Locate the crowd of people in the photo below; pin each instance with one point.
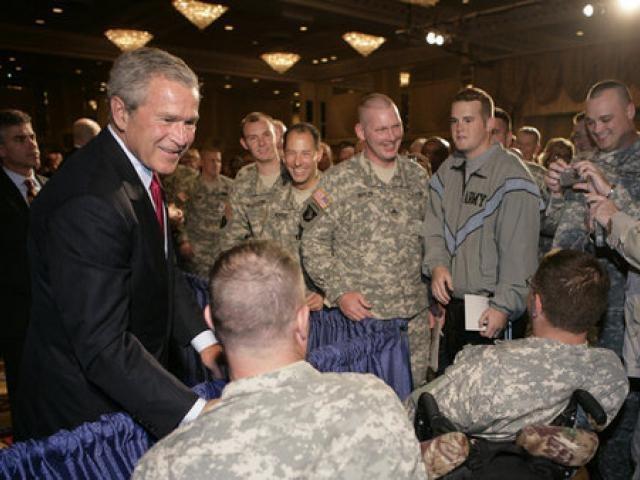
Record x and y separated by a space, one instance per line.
379 231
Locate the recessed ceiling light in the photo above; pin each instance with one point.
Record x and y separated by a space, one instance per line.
315 61
18 69
333 57
40 21
255 42
56 10
227 86
255 80
324 59
228 28
78 71
588 10
12 59
579 33
296 94
297 104
303 28
276 92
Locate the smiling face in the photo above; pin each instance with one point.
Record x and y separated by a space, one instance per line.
609 120
301 159
470 131
18 149
260 139
381 131
163 126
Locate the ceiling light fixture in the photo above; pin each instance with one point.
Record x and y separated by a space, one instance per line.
588 10
40 21
421 3
435 38
127 40
363 43
579 33
228 28
56 10
201 14
303 28
628 5
280 61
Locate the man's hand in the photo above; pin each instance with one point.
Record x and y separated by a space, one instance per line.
552 177
601 209
354 306
441 284
436 315
176 216
210 357
596 180
186 250
315 301
209 405
493 322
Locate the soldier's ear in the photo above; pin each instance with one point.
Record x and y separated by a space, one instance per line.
301 330
243 143
360 131
631 111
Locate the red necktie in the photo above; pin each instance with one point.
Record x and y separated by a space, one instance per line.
156 195
31 190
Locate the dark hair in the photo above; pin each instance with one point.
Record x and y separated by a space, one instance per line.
475 94
578 117
304 127
504 116
254 117
12 118
573 289
439 155
603 85
528 129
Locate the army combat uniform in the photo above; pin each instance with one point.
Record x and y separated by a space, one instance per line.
622 168
482 224
205 213
250 200
363 235
178 184
293 423
494 390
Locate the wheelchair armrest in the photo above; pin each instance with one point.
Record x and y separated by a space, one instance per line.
591 406
429 422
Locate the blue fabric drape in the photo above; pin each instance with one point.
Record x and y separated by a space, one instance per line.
379 347
106 449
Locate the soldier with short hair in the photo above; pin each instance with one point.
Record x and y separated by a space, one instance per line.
362 238
205 214
494 391
279 417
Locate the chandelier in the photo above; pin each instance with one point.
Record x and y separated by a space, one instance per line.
201 14
280 61
363 43
127 40
422 3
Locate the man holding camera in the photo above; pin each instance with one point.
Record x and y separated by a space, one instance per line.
609 120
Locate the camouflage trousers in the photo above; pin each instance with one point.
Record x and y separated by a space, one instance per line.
422 348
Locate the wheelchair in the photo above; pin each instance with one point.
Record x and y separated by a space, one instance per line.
493 460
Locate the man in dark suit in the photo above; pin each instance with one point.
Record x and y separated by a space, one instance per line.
19 156
106 297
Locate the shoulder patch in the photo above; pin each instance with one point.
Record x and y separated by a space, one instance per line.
310 213
321 198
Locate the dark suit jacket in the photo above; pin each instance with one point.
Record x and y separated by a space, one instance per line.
14 280
106 302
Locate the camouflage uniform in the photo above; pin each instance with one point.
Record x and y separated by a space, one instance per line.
494 391
293 423
364 235
622 168
547 229
250 207
178 184
204 215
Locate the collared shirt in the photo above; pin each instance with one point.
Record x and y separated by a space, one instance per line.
204 339
18 180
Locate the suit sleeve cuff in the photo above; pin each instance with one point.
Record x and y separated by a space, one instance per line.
193 413
203 340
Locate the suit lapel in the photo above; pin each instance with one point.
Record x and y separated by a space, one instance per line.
140 201
12 194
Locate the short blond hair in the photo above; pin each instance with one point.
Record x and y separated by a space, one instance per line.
256 289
